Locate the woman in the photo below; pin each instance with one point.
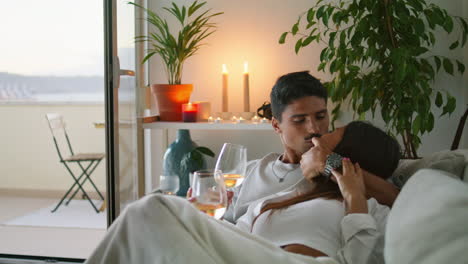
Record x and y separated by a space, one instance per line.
291 220
165 229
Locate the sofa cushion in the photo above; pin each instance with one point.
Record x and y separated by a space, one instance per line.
428 221
451 161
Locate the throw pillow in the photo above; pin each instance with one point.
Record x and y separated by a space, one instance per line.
450 161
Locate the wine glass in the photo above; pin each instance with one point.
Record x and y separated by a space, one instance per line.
168 184
232 163
209 193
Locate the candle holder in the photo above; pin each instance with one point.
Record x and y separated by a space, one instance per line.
255 119
204 110
225 115
240 120
218 120
189 112
234 119
247 115
264 121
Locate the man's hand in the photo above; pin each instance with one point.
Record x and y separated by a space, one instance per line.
314 160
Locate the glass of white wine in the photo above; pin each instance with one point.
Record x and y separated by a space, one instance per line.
168 184
209 192
232 163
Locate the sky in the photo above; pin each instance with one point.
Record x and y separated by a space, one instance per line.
57 37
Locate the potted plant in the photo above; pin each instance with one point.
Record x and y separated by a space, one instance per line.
379 55
174 50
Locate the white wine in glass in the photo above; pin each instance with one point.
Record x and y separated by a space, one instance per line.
232 162
209 193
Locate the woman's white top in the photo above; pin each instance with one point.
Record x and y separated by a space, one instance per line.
322 225
314 223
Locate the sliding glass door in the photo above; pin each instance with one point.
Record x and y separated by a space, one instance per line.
124 159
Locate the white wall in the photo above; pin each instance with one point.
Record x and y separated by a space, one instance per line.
28 159
249 31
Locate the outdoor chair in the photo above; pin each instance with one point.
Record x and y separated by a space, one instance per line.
87 162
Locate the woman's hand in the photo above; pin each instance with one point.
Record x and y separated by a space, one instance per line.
352 187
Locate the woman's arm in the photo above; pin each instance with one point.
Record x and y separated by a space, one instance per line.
383 191
358 228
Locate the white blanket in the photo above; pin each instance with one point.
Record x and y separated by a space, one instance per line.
163 229
429 221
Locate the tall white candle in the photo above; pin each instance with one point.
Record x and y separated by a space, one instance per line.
224 102
245 84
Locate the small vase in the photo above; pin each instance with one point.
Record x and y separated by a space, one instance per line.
173 157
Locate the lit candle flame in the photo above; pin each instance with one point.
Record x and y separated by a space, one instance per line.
225 71
246 67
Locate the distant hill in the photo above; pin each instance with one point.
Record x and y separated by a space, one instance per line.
52 84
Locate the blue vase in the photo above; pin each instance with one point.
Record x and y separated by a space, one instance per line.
173 157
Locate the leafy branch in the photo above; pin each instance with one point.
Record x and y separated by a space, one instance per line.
379 56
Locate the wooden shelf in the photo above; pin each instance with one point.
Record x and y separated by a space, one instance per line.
208 126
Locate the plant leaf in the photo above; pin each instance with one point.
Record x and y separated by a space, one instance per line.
448 66
430 123
449 106
465 30
298 45
295 28
206 151
454 45
308 40
438 62
282 39
461 67
320 12
310 15
438 100
448 25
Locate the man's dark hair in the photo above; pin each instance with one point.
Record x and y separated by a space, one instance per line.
293 86
374 150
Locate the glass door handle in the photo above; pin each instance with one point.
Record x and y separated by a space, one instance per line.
126 72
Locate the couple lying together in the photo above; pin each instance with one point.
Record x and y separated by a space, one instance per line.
324 200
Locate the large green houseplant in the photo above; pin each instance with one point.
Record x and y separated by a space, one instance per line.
379 55
194 26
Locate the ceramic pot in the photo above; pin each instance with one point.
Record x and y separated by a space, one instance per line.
170 98
173 156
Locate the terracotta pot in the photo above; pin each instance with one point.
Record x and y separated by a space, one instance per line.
170 98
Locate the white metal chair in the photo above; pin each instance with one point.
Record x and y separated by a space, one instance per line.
87 162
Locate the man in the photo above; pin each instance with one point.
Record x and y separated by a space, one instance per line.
300 117
167 229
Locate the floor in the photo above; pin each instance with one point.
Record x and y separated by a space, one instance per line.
42 241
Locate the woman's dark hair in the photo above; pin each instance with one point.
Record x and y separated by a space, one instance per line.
293 86
374 150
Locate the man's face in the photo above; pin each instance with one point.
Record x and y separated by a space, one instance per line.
301 120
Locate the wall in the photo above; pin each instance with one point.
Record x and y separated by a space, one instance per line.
28 157
249 31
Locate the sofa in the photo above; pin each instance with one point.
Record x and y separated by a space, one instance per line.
429 220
